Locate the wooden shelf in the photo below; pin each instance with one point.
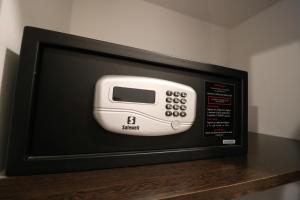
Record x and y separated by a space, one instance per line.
271 161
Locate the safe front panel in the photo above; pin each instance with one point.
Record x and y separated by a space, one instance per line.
54 128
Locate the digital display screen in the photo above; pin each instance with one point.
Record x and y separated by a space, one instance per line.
133 95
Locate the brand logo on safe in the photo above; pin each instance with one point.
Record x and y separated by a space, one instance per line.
131 120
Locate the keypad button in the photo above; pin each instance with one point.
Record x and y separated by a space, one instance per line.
168 106
175 113
183 94
183 107
168 113
169 99
176 107
182 114
176 94
169 93
176 100
183 101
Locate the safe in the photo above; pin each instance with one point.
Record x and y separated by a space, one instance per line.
83 104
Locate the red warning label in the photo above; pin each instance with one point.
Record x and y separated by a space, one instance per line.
219 109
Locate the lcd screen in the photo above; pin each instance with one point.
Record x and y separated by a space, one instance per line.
133 95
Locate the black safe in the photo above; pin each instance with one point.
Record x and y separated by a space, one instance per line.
53 128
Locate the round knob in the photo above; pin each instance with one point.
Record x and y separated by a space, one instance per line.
175 124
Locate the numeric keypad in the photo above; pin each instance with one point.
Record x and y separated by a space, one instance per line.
176 101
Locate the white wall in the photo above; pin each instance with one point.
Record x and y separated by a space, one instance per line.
268 45
14 15
141 24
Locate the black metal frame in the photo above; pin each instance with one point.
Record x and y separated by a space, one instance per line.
19 162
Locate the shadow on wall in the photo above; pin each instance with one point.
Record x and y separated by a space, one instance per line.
297 135
11 64
253 118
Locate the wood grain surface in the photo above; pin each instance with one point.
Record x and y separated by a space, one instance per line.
271 161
